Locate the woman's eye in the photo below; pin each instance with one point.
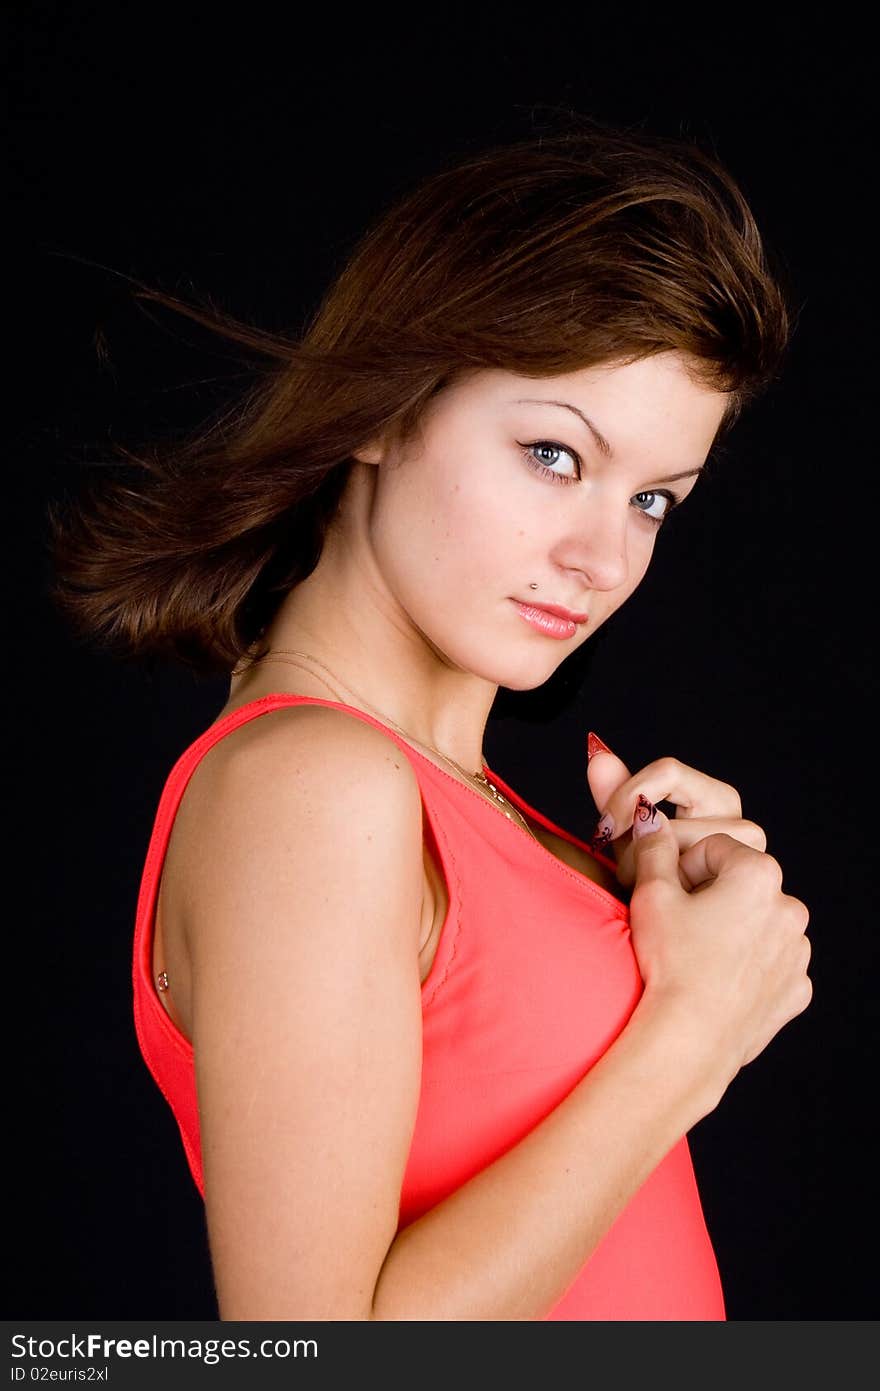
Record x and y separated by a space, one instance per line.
666 501
539 456
544 455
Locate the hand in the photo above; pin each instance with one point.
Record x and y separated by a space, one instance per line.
704 806
728 959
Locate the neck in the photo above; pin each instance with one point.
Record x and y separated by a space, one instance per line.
366 647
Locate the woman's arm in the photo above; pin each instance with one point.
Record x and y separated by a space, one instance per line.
509 1242
303 907
303 914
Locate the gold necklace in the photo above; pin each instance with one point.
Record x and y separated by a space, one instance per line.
512 813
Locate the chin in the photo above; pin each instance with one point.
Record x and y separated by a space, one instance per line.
526 676
523 671
523 683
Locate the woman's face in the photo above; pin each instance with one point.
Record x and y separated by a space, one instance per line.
505 489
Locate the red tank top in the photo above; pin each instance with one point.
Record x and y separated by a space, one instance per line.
533 979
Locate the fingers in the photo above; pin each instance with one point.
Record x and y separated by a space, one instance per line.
718 853
694 794
606 773
654 849
687 833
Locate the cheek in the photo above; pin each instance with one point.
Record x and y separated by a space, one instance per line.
443 523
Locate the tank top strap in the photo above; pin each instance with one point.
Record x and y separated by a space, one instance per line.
281 699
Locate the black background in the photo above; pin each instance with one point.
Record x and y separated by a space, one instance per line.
244 162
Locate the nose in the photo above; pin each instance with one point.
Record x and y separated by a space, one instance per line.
596 544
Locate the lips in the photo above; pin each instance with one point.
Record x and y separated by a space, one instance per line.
557 610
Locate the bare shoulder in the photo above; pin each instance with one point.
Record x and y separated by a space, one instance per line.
305 789
285 752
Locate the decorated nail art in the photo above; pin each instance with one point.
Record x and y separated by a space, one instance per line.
595 745
646 817
603 833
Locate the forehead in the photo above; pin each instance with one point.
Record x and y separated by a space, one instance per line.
629 403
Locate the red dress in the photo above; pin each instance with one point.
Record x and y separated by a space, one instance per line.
533 979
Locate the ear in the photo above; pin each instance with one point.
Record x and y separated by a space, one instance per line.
369 454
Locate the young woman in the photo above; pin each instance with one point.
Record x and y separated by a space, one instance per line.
432 1056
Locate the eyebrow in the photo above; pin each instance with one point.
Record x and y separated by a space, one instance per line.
601 441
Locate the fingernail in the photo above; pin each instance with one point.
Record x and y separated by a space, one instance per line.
603 833
646 818
595 745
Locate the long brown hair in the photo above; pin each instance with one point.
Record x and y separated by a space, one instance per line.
541 257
